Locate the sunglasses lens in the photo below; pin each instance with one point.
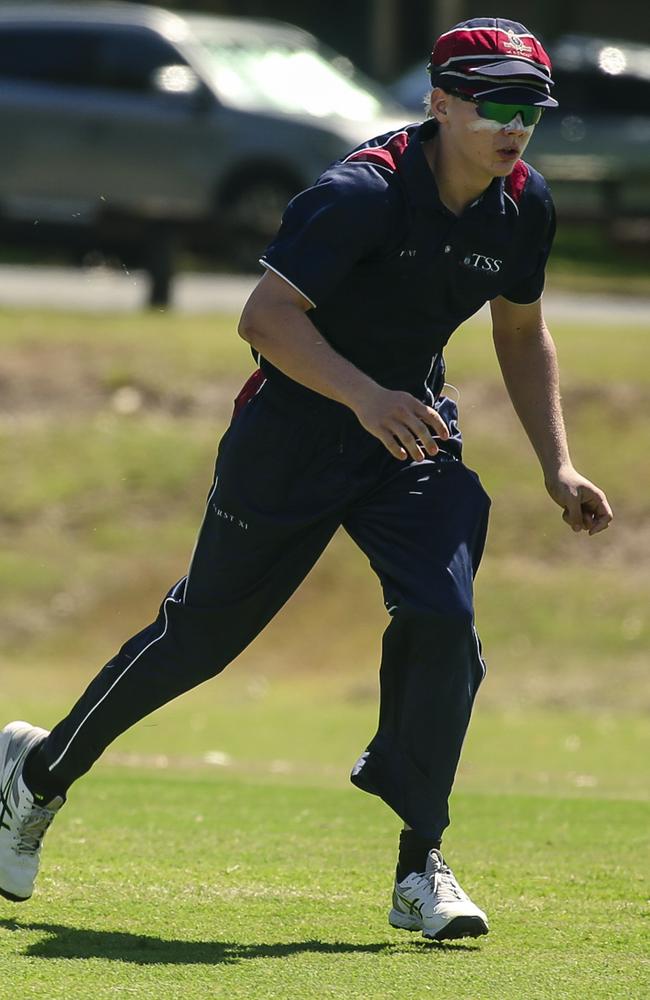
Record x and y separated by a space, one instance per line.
504 113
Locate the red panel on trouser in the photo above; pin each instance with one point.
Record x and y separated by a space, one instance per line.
248 390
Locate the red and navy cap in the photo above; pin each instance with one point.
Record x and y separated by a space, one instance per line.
493 59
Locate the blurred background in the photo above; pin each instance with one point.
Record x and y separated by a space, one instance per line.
142 138
147 158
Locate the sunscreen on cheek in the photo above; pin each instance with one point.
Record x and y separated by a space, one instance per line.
484 125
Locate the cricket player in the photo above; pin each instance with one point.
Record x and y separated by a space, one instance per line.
346 423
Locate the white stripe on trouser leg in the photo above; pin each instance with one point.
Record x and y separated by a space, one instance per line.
478 650
117 680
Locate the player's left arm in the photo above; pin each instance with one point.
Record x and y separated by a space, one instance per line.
528 362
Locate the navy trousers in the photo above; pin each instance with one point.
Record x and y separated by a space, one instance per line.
292 468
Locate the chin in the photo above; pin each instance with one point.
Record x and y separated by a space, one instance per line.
503 169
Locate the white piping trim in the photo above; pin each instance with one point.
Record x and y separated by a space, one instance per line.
375 166
116 681
486 27
540 78
448 385
506 195
269 267
501 82
492 57
478 650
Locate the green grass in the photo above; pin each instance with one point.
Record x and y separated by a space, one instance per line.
218 850
115 497
243 715
589 258
208 885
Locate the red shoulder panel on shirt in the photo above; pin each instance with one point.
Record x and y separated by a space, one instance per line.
516 181
383 156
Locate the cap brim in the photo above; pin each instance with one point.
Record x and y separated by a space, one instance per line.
510 67
515 95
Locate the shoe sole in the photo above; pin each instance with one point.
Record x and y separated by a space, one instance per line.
460 927
13 899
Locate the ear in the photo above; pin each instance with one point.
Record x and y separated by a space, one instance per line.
439 105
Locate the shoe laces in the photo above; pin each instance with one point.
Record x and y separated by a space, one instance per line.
444 885
33 828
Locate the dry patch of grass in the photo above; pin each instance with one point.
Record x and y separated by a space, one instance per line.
108 427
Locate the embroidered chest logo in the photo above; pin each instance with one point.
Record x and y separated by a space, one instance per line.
479 262
407 253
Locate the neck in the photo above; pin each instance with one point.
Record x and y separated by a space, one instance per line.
459 184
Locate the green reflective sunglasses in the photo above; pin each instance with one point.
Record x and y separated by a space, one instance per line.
504 113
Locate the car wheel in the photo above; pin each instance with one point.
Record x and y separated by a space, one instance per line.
252 213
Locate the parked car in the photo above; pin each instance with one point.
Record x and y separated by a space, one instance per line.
595 149
134 130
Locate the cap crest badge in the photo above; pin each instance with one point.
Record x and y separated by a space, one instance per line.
516 44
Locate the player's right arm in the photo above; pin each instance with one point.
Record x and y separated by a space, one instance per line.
326 230
275 323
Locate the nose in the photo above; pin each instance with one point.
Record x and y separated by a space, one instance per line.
516 125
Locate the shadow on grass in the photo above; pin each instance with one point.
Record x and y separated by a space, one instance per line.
140 949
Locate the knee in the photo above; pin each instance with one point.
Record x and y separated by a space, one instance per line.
452 601
445 592
429 653
433 623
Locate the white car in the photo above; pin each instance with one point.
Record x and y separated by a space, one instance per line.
135 130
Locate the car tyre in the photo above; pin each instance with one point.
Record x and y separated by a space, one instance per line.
252 211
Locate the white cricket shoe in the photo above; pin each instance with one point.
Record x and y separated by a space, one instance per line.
434 903
23 822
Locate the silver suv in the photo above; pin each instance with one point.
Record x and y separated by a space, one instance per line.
135 130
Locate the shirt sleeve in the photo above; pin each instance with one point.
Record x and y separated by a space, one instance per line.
530 287
327 229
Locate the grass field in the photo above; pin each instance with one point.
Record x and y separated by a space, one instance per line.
218 850
186 885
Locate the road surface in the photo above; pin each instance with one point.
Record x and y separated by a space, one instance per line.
105 290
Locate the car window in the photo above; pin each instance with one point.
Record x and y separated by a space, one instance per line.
58 55
114 58
295 79
128 59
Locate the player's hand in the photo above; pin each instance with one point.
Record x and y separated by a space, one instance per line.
406 426
585 507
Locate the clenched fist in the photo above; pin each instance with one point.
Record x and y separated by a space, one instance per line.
404 424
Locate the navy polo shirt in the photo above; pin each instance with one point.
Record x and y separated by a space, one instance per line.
390 271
